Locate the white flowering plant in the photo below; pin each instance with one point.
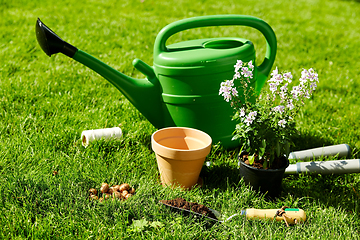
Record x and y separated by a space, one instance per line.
266 122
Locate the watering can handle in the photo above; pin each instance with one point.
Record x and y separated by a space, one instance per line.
222 20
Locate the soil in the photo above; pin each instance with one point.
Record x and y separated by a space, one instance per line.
191 206
278 162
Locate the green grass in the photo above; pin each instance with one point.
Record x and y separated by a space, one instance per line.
45 104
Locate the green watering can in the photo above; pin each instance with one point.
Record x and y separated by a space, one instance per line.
182 87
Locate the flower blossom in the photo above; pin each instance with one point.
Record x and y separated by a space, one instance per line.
282 123
307 94
310 75
275 81
238 65
249 119
284 88
313 86
276 77
251 66
313 75
290 105
275 72
242 112
283 93
279 109
273 87
296 92
288 77
234 92
227 91
252 115
246 72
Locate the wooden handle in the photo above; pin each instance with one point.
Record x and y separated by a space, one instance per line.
292 215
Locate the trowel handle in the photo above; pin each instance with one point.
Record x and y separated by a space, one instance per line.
291 214
223 20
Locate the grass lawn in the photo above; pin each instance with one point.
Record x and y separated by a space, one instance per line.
45 104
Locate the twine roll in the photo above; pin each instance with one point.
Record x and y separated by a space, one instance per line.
88 136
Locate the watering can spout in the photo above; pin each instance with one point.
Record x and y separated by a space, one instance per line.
51 43
144 94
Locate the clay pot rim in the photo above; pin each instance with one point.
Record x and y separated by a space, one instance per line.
162 150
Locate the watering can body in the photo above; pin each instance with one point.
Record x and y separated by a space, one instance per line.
182 87
190 73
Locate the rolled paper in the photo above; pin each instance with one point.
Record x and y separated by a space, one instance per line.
88 136
342 150
325 167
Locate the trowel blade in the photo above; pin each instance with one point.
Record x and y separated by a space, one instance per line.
216 213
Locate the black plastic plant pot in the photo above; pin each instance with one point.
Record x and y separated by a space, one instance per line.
267 181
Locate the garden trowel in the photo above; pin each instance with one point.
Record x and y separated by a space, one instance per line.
290 216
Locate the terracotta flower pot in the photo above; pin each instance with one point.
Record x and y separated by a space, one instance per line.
180 154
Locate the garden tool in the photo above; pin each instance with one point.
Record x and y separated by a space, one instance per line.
325 167
182 87
341 150
289 215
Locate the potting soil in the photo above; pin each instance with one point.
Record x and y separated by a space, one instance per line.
278 162
191 206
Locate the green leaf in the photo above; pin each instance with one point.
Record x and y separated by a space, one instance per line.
251 159
263 148
277 148
139 225
265 165
157 224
